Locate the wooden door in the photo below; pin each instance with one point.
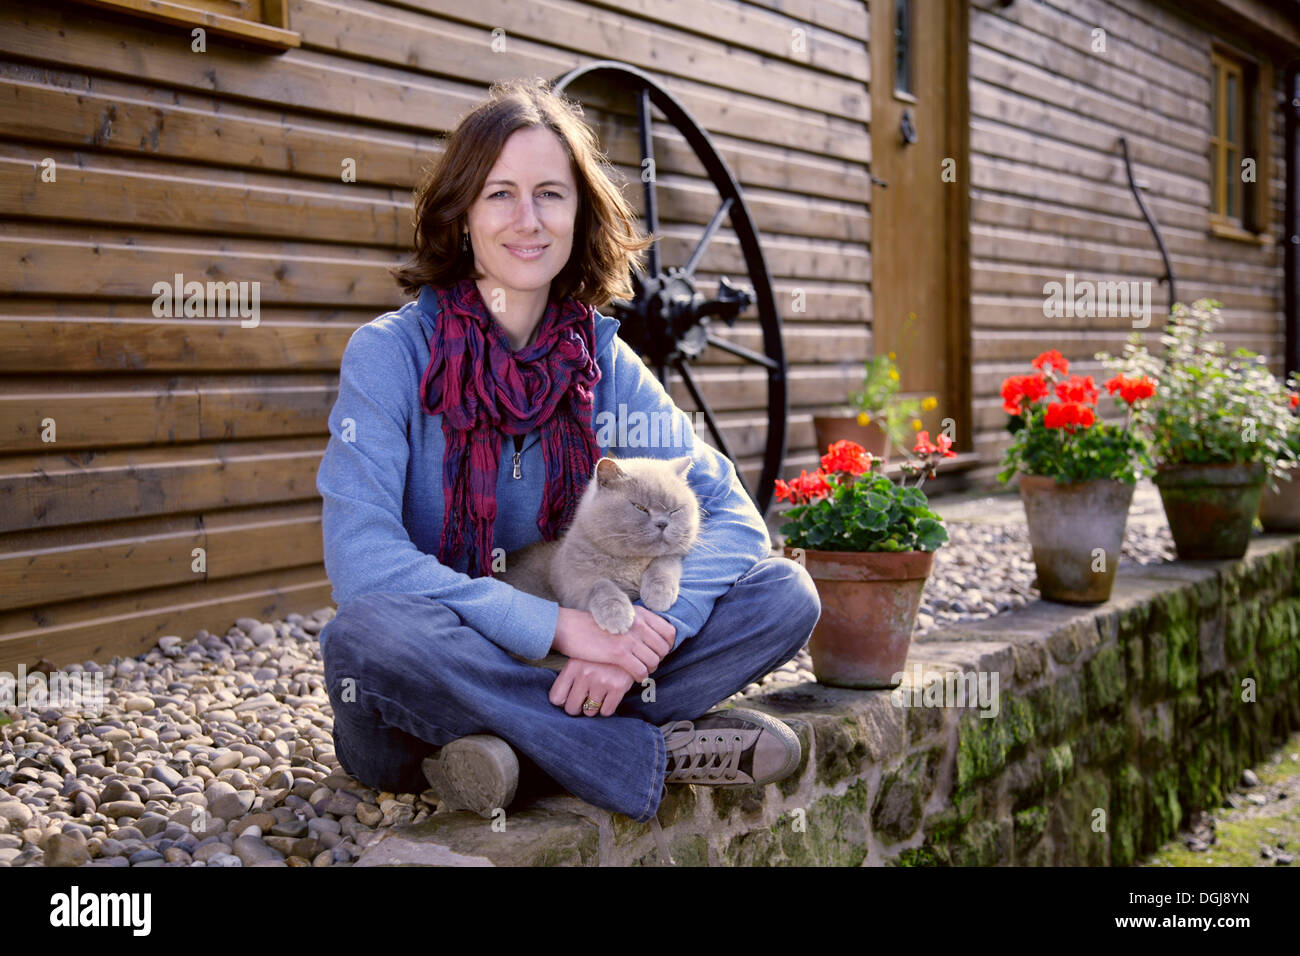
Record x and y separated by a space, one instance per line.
919 207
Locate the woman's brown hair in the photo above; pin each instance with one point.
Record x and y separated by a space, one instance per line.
606 241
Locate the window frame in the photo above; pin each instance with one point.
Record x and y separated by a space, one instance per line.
1252 141
271 31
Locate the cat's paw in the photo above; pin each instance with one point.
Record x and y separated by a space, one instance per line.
658 595
614 615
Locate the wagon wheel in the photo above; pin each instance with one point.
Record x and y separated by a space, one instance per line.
668 322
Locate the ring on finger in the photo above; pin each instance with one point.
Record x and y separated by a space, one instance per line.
590 704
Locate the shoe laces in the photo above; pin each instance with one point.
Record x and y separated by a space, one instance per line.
665 854
699 755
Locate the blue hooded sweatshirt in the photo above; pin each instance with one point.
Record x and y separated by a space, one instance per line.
381 484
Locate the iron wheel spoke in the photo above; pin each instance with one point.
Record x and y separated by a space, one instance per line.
698 252
684 371
741 351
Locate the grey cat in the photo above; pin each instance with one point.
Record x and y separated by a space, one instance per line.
635 521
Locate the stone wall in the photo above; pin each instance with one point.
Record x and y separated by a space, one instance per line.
1112 723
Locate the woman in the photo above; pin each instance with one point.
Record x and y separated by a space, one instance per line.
519 231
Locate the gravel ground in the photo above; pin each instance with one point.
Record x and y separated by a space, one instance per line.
217 751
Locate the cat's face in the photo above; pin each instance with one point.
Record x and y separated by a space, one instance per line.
642 507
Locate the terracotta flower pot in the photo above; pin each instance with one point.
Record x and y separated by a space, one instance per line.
869 604
1067 524
1211 507
1280 510
832 428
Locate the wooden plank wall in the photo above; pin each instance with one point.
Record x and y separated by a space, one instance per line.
1049 194
185 433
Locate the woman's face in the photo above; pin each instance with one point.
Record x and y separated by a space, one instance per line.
521 224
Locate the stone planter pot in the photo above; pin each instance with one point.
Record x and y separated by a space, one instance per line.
1211 507
1280 510
1067 523
832 428
869 604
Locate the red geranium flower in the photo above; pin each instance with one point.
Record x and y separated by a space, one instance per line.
1295 399
1131 389
848 456
1018 387
803 489
943 444
1077 389
1051 359
1069 415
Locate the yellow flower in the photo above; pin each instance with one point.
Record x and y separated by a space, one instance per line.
893 373
929 404
916 424
893 357
864 418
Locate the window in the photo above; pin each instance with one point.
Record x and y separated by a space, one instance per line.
1239 146
264 23
903 48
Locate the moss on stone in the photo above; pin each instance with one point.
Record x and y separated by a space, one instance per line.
836 834
1029 826
1182 643
841 749
1104 679
1165 811
1126 815
1239 637
1058 707
983 743
979 845
1057 765
898 807
748 801
923 856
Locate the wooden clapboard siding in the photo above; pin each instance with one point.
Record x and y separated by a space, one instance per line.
1049 193
178 433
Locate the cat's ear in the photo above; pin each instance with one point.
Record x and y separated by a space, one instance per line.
608 472
682 465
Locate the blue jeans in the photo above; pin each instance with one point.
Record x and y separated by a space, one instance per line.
420 678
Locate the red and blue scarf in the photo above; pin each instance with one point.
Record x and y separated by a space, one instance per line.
484 389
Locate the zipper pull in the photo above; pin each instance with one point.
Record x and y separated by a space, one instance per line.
518 473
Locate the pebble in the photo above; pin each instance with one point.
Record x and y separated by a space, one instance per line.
122 808
165 775
226 802
226 761
252 850
66 849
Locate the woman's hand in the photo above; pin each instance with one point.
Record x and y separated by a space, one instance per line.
580 679
637 652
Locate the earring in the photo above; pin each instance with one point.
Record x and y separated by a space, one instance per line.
464 242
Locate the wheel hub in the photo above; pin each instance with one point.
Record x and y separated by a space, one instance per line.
668 318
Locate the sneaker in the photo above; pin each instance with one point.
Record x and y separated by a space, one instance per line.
730 748
479 773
